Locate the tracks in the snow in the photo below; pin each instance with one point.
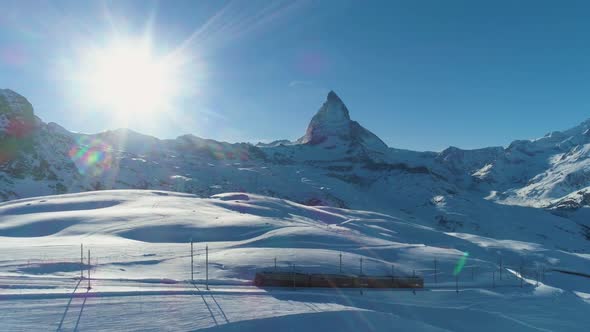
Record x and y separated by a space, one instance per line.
217 308
69 305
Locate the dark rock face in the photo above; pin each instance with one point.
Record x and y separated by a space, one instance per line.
17 124
572 202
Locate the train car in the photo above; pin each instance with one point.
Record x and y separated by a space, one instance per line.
334 281
294 279
392 282
281 279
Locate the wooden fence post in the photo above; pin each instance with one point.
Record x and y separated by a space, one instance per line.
81 261
207 267
89 269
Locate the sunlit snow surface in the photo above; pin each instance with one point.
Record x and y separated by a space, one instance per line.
140 259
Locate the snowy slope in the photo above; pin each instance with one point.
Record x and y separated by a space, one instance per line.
140 261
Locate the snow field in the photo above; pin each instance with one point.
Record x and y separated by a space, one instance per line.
140 268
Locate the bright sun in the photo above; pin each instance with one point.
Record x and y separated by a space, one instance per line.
129 79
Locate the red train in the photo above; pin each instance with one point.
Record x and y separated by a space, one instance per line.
296 279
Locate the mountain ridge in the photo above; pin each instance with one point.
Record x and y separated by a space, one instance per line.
337 162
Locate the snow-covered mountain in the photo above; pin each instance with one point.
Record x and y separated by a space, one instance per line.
508 226
337 162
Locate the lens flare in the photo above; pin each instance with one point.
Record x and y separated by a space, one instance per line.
13 55
460 264
91 156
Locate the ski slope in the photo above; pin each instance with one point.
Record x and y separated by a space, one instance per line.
139 242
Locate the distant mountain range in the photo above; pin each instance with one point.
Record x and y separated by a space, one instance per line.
336 162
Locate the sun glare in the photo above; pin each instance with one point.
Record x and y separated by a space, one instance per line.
129 79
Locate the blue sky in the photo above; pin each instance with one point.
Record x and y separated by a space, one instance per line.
422 75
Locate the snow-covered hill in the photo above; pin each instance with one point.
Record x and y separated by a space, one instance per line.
140 267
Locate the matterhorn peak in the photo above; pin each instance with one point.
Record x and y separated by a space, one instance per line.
332 125
330 120
333 109
333 98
